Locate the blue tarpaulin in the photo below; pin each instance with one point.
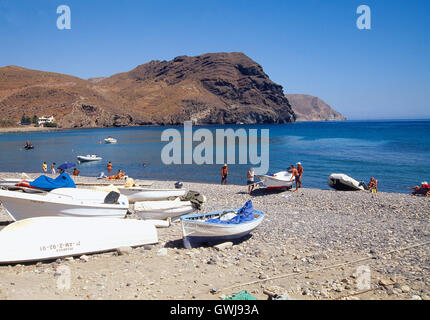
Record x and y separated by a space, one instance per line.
243 214
48 184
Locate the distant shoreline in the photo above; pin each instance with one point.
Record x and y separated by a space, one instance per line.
27 129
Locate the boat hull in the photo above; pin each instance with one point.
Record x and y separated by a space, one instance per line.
44 238
161 210
280 180
21 206
197 232
342 182
136 194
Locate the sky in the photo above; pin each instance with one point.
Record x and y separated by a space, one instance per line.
307 46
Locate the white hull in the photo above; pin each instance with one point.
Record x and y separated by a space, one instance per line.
340 181
161 210
44 238
135 194
278 181
110 140
63 202
201 231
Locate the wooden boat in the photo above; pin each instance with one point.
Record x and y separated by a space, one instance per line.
280 180
161 210
135 194
45 238
64 202
198 228
89 157
342 182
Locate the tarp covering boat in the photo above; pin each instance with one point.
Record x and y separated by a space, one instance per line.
243 214
48 184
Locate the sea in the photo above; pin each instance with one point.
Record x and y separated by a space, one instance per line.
396 152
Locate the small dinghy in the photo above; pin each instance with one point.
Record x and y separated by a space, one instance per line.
280 180
89 157
135 194
161 210
220 226
64 202
110 140
342 182
43 238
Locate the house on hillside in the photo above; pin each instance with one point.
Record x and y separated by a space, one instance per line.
43 120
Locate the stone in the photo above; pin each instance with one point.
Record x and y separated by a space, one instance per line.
84 258
162 252
405 288
385 282
223 246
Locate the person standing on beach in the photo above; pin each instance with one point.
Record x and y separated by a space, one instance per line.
300 171
251 180
45 167
295 174
224 173
53 168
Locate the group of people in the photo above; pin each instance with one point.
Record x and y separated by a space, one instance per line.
422 190
60 171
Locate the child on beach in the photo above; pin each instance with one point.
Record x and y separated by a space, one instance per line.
45 167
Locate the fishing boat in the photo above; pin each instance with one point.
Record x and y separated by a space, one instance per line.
161 210
45 238
89 157
110 140
64 202
219 226
279 180
135 194
342 182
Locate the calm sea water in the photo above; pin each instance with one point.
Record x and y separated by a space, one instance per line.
397 153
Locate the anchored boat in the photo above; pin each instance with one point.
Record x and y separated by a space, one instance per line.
89 157
110 140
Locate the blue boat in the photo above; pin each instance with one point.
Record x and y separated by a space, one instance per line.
219 226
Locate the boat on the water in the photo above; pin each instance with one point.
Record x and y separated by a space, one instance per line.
342 182
64 202
135 194
43 238
161 210
28 147
89 157
220 226
279 180
110 140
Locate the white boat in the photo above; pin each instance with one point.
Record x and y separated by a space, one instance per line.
89 157
161 210
280 180
45 238
135 194
342 182
64 202
197 229
110 140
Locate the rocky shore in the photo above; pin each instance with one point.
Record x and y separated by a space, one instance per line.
313 244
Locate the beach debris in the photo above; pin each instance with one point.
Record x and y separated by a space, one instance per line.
223 246
241 295
122 251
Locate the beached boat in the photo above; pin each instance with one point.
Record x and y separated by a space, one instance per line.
89 157
110 140
162 210
45 238
135 194
65 202
279 180
220 226
342 182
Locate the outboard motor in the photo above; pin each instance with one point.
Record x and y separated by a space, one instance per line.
178 185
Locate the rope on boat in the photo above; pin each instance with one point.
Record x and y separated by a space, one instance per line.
325 268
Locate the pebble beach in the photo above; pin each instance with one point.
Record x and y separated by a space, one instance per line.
312 244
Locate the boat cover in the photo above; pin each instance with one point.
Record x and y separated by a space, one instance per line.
48 184
244 214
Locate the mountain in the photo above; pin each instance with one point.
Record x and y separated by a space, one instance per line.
310 108
214 88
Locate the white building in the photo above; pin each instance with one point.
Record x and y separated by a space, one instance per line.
43 120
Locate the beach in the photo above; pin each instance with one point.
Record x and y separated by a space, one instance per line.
312 244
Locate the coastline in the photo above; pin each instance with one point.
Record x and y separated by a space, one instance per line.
303 236
27 129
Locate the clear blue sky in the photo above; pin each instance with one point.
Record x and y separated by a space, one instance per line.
307 46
